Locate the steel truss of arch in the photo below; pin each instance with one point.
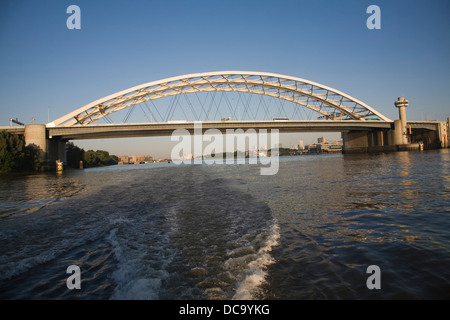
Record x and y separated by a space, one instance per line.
327 102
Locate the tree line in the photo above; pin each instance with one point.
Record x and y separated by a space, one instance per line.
90 158
16 156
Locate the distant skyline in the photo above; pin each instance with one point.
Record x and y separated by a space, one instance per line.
47 70
127 147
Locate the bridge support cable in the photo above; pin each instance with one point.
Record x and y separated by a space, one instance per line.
166 114
281 109
171 109
239 105
156 108
176 105
108 119
196 118
152 116
203 109
259 105
250 105
247 108
145 114
267 107
128 115
208 106
230 107
295 114
217 105
182 110
307 112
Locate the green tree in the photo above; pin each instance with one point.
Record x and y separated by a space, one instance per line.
99 158
33 159
14 155
90 158
114 159
102 156
74 155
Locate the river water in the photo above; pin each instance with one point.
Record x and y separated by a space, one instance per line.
167 231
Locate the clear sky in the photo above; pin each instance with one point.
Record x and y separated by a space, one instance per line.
47 70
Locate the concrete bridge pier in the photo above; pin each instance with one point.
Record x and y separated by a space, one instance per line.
400 137
381 140
355 142
51 150
397 133
368 141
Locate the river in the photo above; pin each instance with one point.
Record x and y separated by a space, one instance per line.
223 231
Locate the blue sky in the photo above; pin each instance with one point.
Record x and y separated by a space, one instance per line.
45 67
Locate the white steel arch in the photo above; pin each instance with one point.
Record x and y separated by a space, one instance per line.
328 102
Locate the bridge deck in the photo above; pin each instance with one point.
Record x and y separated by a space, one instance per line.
16 130
166 129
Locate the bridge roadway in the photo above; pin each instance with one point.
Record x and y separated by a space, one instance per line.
167 128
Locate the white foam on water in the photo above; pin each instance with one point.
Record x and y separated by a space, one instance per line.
256 271
139 274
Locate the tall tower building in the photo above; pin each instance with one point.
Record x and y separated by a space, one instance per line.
401 104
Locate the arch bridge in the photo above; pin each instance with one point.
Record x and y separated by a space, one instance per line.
363 127
328 103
